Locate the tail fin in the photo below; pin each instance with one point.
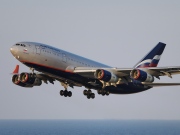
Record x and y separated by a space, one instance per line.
152 58
16 70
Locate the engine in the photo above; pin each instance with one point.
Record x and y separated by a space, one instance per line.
31 79
26 80
106 76
142 76
15 80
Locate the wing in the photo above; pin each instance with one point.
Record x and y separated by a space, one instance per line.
124 72
164 71
89 71
45 77
160 84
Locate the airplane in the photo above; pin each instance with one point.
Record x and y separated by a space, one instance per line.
53 64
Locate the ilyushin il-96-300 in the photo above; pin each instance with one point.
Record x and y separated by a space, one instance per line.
53 64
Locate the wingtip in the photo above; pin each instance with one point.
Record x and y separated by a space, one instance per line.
162 43
16 70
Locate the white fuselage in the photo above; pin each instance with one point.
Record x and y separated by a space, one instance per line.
48 56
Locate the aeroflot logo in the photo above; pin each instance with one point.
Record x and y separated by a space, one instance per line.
25 50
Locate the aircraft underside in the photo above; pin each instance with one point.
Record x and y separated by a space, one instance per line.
130 88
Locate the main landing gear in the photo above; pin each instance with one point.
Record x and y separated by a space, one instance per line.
89 94
65 92
103 92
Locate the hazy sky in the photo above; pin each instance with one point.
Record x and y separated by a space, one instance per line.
115 32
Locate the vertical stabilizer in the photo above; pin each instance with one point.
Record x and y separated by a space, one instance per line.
152 58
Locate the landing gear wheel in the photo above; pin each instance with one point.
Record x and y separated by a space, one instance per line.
99 91
92 95
89 92
65 93
107 93
103 93
88 96
61 92
69 93
85 92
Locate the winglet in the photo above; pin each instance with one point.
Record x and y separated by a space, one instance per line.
16 70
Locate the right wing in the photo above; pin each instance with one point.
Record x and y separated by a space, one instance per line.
49 78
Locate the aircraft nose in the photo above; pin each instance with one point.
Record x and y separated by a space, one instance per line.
14 50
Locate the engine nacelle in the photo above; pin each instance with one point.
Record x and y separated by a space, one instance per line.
142 76
29 78
16 80
106 76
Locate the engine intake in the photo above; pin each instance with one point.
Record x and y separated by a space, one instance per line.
27 78
141 75
31 79
16 80
105 76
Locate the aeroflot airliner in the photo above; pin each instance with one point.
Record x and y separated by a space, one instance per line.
72 70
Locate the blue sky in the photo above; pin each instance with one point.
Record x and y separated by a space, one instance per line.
114 32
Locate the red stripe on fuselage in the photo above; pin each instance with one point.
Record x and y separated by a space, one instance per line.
47 66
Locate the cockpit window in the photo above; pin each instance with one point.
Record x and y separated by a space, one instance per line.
21 45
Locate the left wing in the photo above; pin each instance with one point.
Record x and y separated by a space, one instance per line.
89 71
123 72
114 76
164 71
159 84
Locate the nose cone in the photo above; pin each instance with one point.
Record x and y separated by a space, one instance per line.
14 50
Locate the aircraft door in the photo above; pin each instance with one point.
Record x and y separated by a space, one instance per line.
37 49
64 58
